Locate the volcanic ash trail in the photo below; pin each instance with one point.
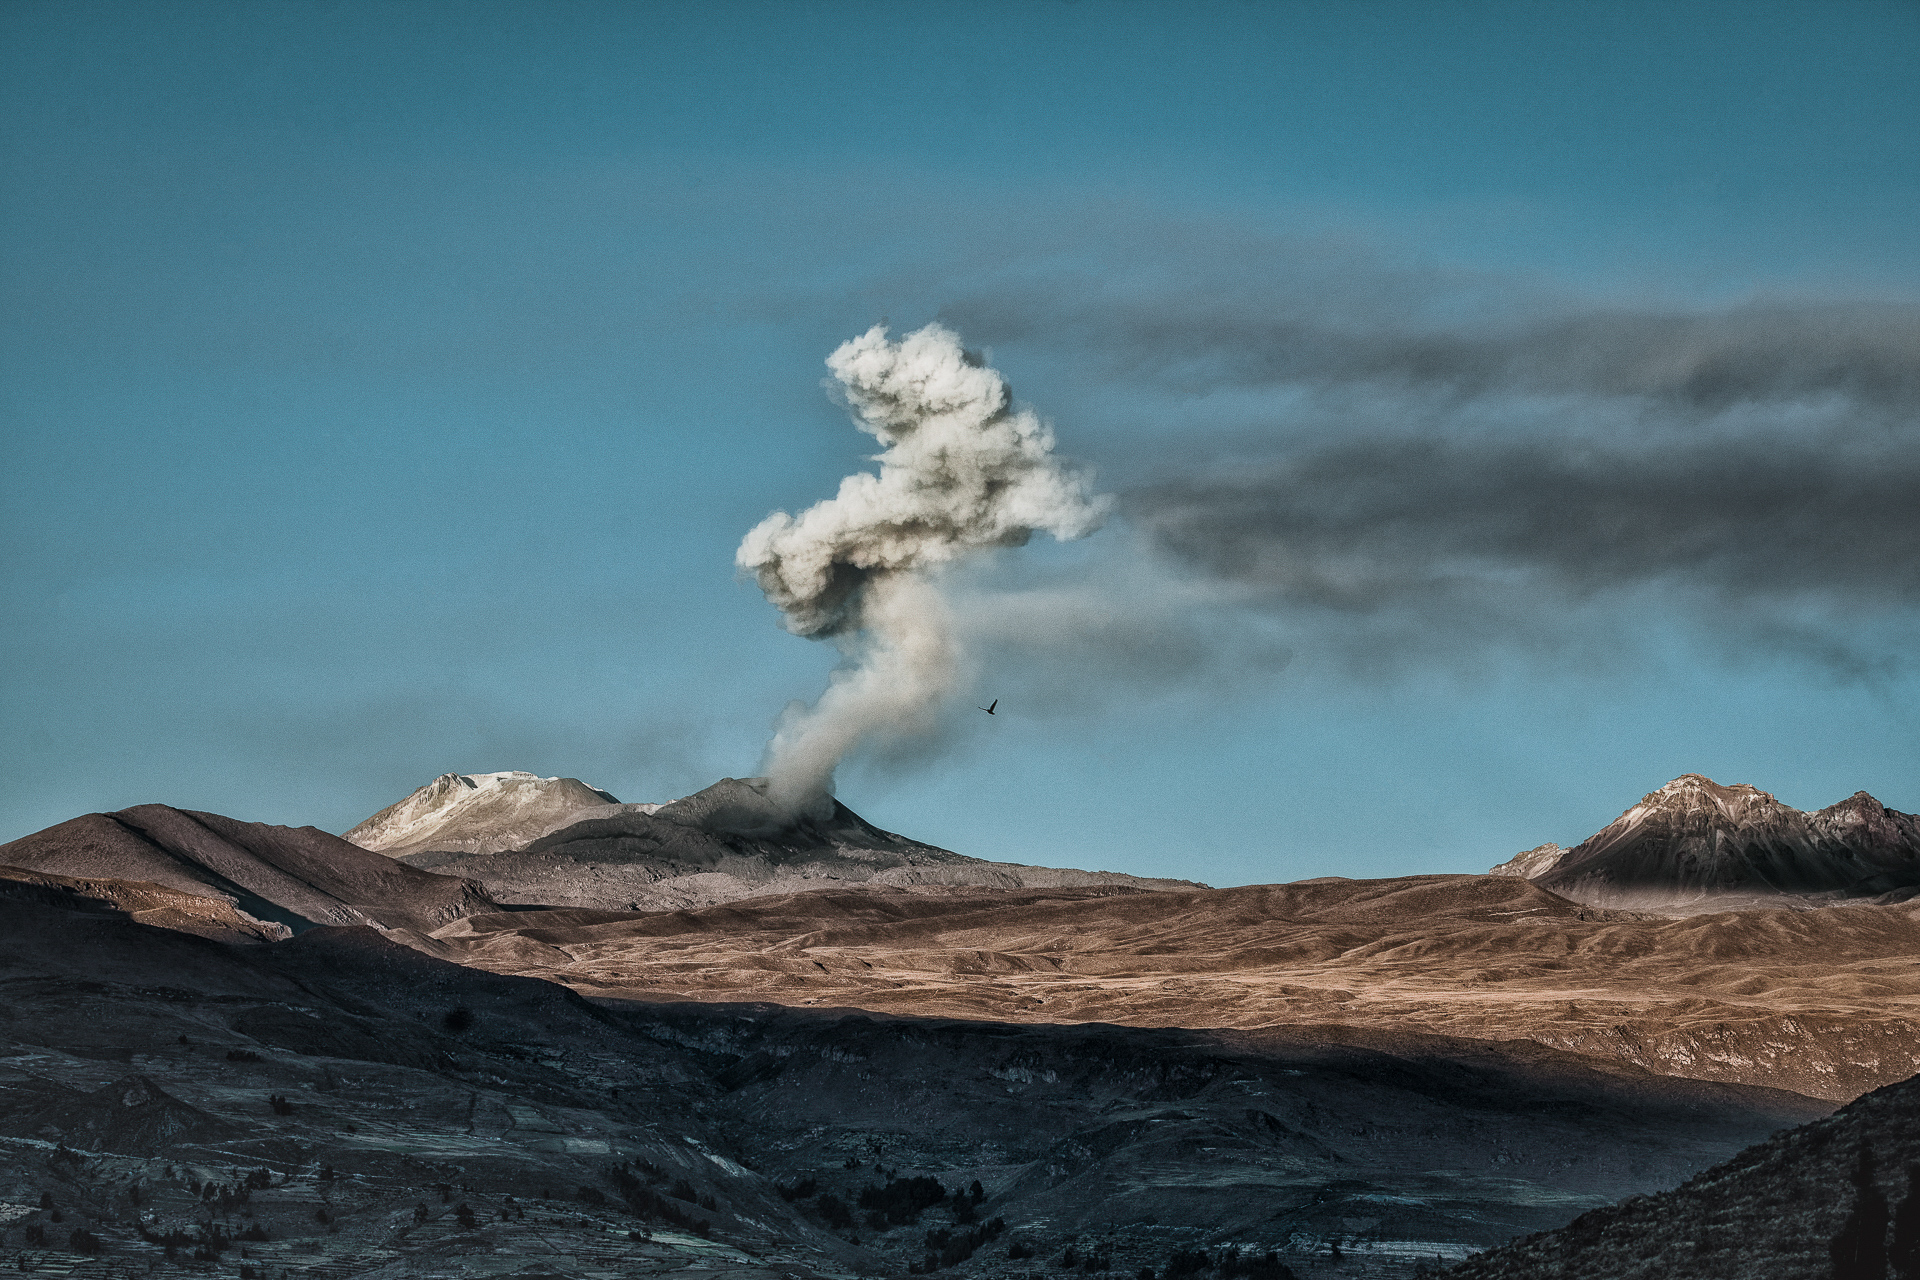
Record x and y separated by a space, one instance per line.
962 471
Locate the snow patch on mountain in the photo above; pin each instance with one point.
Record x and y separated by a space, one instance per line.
481 813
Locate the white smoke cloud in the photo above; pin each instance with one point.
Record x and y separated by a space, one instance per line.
962 471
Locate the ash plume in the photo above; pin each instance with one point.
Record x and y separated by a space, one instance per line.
963 471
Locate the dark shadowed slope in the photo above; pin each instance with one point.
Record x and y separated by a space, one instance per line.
355 1076
1695 846
1772 1211
138 900
294 876
1399 1144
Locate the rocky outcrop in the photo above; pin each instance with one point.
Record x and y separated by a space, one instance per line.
1795 1207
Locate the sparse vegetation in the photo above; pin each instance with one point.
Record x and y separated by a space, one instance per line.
645 1202
1266 1266
900 1201
834 1211
1186 1262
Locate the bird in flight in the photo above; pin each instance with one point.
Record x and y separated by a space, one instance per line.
990 706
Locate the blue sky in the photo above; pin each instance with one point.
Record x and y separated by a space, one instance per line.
387 387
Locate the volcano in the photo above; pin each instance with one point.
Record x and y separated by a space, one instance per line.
558 842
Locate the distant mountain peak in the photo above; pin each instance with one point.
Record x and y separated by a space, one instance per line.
1697 841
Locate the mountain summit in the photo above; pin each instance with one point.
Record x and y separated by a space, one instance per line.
477 813
1695 845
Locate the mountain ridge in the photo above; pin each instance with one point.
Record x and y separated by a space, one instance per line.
294 877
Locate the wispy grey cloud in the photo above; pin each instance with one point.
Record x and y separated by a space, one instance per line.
1357 525
1426 464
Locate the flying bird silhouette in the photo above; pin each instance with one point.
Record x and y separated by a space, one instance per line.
990 706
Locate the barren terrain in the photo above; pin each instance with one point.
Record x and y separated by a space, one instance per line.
1825 1002
337 1104
287 1057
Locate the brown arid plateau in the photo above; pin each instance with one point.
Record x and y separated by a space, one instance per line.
1826 1003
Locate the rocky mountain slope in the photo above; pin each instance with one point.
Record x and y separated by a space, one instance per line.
1820 1002
291 877
1696 846
1838 1197
338 1105
722 844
